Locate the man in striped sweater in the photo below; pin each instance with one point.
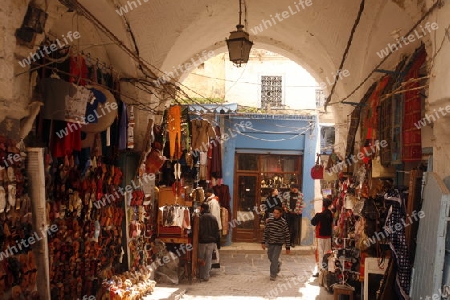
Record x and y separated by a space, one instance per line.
275 235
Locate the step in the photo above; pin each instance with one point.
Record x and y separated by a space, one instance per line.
255 248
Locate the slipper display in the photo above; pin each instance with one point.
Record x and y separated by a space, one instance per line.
2 199
12 195
11 174
86 251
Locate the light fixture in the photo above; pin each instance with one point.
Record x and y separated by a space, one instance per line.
239 44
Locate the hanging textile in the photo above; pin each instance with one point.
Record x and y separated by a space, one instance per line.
224 216
397 242
216 157
66 138
176 215
201 132
63 101
412 139
91 107
174 129
203 166
223 192
369 124
78 70
123 126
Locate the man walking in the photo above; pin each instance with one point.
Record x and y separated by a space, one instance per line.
276 233
207 237
324 226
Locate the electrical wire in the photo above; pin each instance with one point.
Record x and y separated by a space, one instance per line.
432 8
267 140
446 37
254 83
344 56
302 129
278 132
141 61
245 14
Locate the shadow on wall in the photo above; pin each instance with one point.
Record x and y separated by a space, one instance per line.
307 233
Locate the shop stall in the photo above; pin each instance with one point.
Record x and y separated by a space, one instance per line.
375 189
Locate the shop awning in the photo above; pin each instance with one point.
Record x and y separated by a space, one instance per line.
214 108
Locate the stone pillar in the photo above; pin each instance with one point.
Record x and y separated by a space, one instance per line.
439 93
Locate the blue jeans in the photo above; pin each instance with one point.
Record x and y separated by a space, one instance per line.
274 252
205 253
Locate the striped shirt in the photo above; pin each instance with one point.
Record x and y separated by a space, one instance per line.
276 232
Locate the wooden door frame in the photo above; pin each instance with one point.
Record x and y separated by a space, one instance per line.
235 205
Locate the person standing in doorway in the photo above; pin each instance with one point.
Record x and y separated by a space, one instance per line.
272 201
324 227
207 238
293 209
276 233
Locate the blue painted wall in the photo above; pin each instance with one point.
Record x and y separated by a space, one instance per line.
284 134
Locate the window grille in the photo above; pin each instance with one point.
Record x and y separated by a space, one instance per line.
271 92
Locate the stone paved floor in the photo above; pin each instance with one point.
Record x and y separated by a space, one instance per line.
246 276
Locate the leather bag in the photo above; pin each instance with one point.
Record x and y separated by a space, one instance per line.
317 170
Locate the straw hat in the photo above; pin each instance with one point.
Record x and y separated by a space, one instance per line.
106 116
106 112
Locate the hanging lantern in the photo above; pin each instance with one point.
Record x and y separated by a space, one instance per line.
239 44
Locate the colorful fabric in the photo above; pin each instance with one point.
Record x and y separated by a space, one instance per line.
412 139
91 107
174 129
78 70
370 122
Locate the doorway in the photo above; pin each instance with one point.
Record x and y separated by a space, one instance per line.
245 202
255 176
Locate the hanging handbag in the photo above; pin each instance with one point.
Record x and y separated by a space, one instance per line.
330 174
317 170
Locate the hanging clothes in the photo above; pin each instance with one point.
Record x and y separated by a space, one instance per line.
174 129
201 132
215 156
123 126
397 242
369 123
64 144
175 215
224 216
223 192
78 70
203 172
91 107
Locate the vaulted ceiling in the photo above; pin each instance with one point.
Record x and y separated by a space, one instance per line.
165 34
